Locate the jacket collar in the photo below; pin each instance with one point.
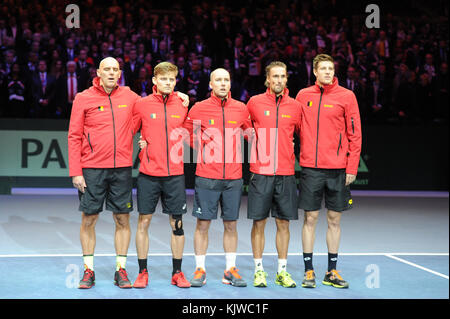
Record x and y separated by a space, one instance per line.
218 100
96 84
330 87
273 96
160 97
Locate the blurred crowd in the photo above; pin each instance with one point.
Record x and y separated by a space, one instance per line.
398 72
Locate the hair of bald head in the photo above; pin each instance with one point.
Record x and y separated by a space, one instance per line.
213 73
108 59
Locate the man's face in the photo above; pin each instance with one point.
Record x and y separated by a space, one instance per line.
351 73
165 83
42 66
195 65
133 55
277 79
324 72
109 72
220 83
82 55
71 68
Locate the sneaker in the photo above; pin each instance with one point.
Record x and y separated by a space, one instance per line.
260 279
179 280
141 280
88 279
232 277
309 279
121 279
332 278
284 279
199 278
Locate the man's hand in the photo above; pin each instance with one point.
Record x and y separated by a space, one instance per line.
349 178
184 97
79 183
142 143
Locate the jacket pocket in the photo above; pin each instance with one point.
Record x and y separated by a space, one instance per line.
340 143
89 141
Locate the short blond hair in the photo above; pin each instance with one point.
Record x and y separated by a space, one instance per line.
165 67
272 65
321 58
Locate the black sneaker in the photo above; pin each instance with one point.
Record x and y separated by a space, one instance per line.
121 279
88 279
332 278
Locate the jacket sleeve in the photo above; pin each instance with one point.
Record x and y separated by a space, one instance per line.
137 120
247 125
298 124
191 126
354 135
75 137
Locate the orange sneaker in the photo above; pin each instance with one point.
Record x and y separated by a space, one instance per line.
180 281
141 280
232 277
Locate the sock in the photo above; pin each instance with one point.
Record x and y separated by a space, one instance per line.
332 261
258 264
230 259
176 263
142 264
88 261
121 261
282 265
200 261
307 258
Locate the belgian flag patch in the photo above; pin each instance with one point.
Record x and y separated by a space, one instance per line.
309 103
101 108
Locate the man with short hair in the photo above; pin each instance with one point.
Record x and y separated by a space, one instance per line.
217 125
161 173
330 142
272 187
100 159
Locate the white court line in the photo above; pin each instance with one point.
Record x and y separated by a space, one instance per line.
221 254
417 266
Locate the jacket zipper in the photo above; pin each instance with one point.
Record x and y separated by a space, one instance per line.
340 137
277 102
223 134
146 153
114 127
165 98
353 126
318 116
89 141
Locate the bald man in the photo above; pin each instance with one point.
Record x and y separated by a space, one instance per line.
218 123
100 143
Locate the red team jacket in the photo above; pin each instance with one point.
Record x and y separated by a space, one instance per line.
221 156
274 121
331 128
101 129
162 127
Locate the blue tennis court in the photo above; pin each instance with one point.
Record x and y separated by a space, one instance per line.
393 246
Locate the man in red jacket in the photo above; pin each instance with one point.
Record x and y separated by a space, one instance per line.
330 146
216 125
160 116
100 160
272 187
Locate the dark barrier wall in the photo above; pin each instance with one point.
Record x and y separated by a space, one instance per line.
392 158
